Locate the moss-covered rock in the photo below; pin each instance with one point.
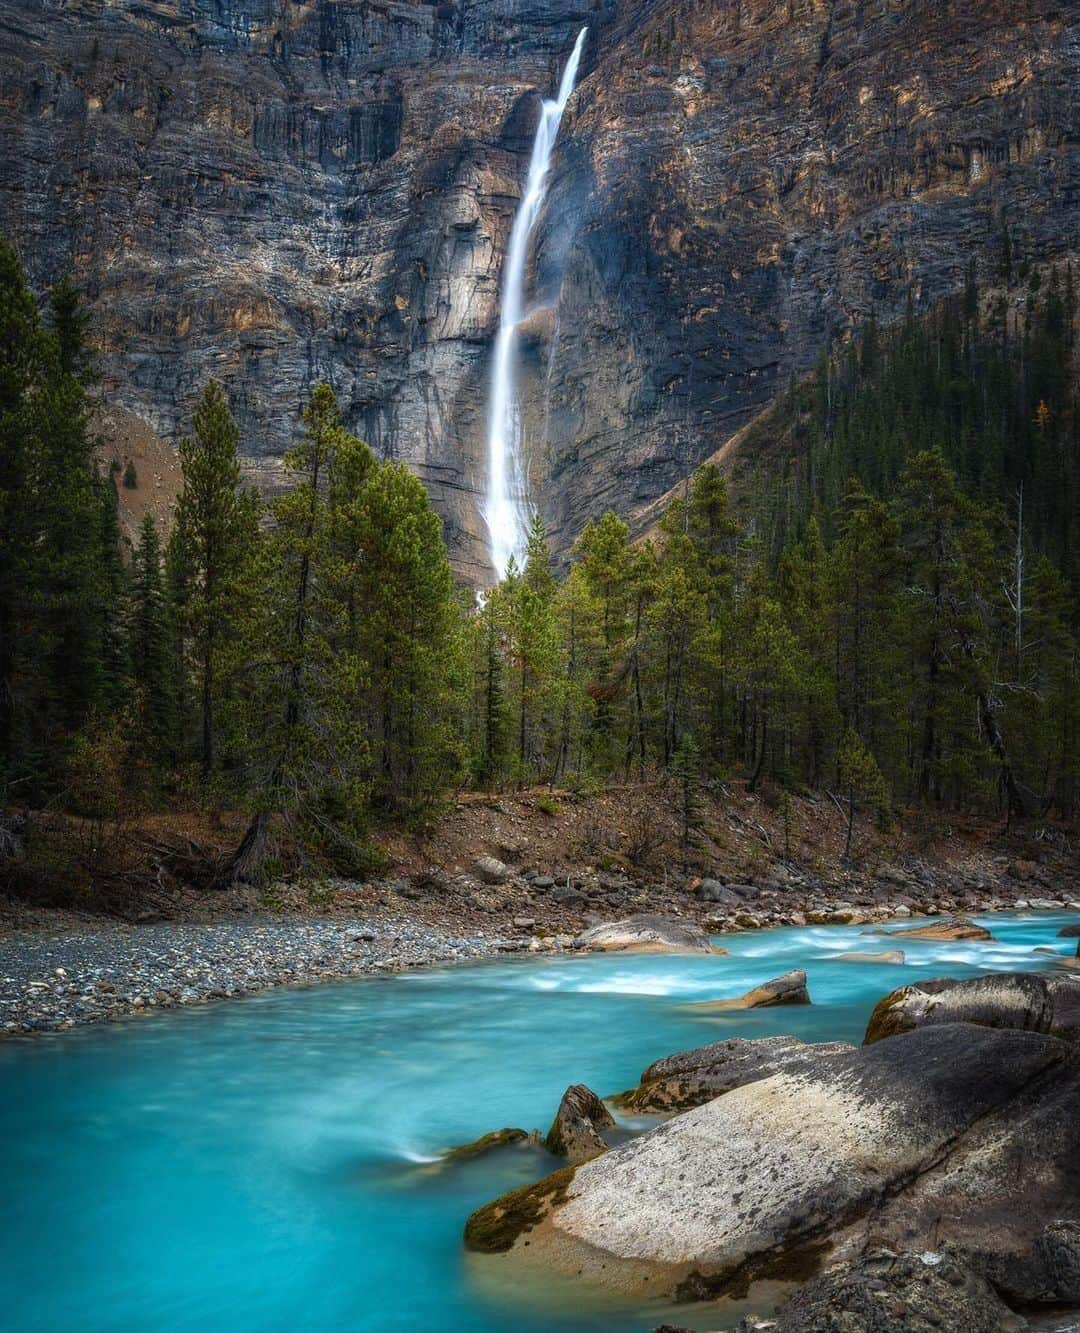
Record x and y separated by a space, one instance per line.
495 1227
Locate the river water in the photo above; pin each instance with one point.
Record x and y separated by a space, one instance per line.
264 1164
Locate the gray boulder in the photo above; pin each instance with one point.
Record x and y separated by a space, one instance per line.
1023 1001
896 1293
690 1078
712 891
1069 932
924 1134
491 870
787 989
575 1131
647 934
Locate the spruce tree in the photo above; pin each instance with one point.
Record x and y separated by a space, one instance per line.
151 651
213 542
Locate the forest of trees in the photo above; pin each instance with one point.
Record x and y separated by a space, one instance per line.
900 625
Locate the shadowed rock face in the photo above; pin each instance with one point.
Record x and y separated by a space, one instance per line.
275 192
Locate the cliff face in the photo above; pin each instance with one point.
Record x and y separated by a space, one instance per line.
276 192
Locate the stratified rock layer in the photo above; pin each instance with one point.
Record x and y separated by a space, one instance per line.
275 192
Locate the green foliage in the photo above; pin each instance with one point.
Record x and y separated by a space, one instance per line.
131 477
895 617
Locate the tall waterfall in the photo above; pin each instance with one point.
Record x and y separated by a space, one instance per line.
507 509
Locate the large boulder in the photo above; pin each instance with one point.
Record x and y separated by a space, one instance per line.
784 1172
680 1082
885 1292
647 933
1070 932
787 989
1023 1001
954 928
575 1131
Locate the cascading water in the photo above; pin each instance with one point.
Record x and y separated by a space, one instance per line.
507 509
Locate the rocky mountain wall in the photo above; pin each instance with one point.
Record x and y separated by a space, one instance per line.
275 192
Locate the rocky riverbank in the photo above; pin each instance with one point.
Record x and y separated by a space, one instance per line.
58 981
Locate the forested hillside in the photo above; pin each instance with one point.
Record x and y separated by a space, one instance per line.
893 616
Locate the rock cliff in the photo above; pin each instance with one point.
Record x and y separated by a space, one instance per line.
278 191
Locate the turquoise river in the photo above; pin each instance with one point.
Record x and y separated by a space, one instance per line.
270 1164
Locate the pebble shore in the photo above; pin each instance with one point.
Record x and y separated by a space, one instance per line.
53 982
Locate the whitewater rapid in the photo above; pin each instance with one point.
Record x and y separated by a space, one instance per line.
507 510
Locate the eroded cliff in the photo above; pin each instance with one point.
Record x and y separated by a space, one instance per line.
276 192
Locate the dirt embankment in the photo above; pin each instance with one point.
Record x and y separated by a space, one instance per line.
544 861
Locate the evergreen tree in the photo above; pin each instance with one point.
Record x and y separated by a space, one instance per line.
213 543
151 651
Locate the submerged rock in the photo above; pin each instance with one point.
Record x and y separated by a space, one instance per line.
893 956
497 1138
924 1134
575 1131
647 933
1023 1001
690 1078
787 989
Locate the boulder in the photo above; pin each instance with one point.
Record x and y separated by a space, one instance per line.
1022 1001
955 928
490 870
885 1292
925 1134
647 934
690 1078
1069 932
787 989
893 956
712 891
575 1131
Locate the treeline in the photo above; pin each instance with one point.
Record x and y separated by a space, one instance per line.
922 656
309 661
301 660
988 378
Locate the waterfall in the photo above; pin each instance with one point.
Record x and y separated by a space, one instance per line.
507 509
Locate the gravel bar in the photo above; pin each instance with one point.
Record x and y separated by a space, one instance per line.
60 981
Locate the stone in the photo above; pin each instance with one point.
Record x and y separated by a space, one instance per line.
712 891
543 882
524 923
894 957
490 870
1070 932
690 1078
1022 869
787 989
885 1292
956 928
647 933
919 1136
497 1138
575 1131
1022 1001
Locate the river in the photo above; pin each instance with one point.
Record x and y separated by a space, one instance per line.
265 1164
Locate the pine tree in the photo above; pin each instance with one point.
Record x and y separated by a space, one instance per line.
213 543
151 653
